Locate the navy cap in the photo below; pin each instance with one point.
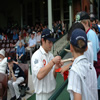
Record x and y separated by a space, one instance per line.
47 34
78 34
9 59
82 16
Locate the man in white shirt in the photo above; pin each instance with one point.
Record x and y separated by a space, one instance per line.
43 69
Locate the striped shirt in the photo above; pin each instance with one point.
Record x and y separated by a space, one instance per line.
83 79
18 72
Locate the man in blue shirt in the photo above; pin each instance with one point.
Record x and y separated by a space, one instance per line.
31 44
15 36
84 18
15 76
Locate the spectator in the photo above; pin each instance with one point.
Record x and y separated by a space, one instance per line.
28 29
20 53
89 52
31 44
59 28
3 61
15 76
4 37
27 38
91 35
17 44
81 70
1 38
38 39
15 36
55 30
24 33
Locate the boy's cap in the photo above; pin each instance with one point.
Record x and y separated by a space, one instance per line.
82 16
47 34
9 59
2 52
78 34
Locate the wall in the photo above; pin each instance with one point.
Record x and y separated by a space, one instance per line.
81 5
9 12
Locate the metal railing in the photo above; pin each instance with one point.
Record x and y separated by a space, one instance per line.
58 91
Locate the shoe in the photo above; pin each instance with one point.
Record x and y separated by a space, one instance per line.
13 98
19 98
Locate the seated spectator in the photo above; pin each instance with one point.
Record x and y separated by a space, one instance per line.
31 44
59 28
28 29
17 44
4 37
3 61
38 39
20 53
27 38
32 41
24 33
15 77
55 30
15 36
1 37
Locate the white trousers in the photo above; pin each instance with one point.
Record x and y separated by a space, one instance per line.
13 86
43 96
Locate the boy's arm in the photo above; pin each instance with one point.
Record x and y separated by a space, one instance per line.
77 96
65 68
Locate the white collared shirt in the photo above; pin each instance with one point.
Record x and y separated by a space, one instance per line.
83 79
39 59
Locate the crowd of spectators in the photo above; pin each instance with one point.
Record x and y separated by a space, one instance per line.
29 37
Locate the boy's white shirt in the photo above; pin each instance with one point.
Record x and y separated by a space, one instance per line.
83 79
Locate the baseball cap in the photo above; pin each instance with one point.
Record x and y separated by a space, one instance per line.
9 59
47 34
92 17
82 16
2 52
78 34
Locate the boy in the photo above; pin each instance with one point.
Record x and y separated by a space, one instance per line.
15 76
82 83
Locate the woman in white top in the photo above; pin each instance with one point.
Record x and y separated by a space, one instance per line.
3 61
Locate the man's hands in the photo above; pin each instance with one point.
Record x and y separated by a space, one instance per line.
57 60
